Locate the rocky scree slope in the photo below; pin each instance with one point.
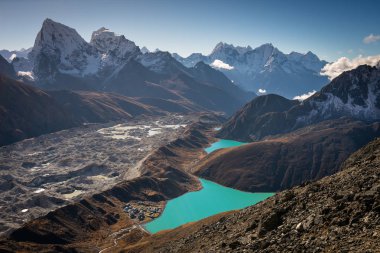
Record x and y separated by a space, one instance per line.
337 213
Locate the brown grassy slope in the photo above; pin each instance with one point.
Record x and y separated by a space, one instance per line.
90 106
26 112
288 160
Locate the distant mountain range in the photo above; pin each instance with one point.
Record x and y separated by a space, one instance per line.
264 69
293 142
62 59
10 55
158 82
354 94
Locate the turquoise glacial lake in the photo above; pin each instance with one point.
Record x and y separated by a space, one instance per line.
210 200
223 144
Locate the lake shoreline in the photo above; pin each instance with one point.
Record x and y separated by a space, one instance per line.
218 199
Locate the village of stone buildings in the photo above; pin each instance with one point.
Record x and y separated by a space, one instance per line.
142 211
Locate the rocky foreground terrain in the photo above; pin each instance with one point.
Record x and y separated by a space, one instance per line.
339 213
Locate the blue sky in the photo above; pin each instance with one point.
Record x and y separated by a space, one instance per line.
331 29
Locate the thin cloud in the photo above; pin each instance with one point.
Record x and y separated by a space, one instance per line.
336 68
304 96
221 65
371 38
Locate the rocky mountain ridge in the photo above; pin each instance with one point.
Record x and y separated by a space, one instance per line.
62 59
9 55
265 68
355 94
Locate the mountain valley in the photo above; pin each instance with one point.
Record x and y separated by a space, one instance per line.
106 146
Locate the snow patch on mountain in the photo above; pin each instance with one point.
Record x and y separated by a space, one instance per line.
109 43
144 50
354 94
10 55
160 62
192 60
152 61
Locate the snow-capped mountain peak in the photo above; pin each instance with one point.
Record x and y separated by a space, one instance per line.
243 50
355 93
223 48
59 48
108 42
144 50
218 47
58 36
160 62
265 67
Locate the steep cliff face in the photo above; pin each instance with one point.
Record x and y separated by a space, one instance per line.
60 49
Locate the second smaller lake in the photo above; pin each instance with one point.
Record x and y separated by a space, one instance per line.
223 144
